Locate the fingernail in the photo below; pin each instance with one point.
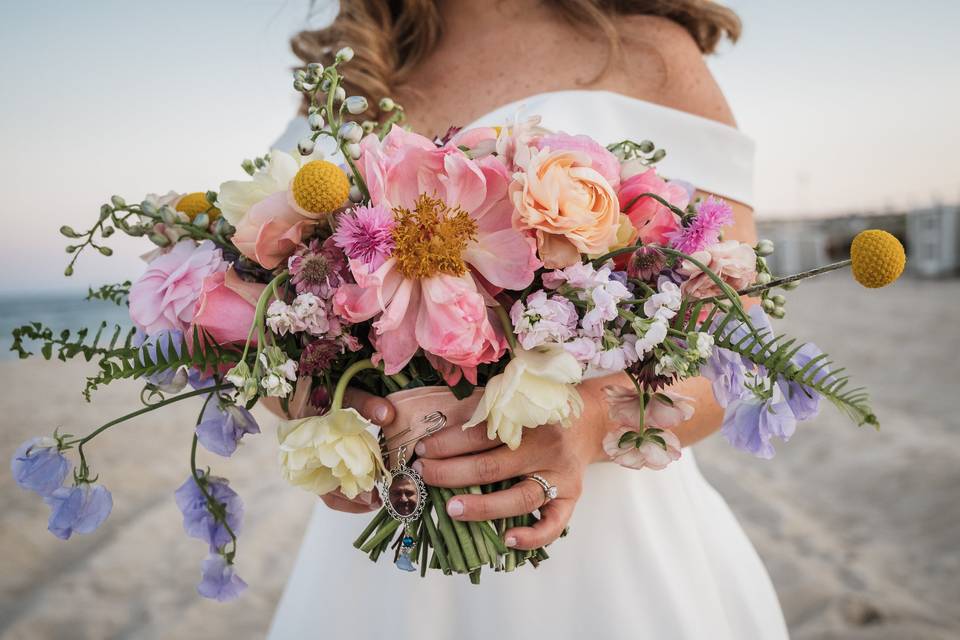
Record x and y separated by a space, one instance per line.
418 466
380 413
420 448
455 508
510 541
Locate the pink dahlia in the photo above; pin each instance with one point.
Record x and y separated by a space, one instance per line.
453 248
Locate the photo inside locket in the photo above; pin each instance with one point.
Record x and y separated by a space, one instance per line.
404 495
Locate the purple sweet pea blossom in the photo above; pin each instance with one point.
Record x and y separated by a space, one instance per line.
78 509
221 429
751 422
218 580
198 522
804 401
727 374
168 342
38 466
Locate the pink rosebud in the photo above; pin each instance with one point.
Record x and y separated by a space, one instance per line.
653 221
226 307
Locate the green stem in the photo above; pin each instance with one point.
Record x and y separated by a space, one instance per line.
507 326
462 531
445 524
803 275
352 370
371 527
383 534
435 538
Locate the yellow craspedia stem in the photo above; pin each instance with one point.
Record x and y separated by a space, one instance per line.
877 258
193 204
320 187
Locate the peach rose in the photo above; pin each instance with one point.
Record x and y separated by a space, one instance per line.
226 306
735 263
570 207
271 231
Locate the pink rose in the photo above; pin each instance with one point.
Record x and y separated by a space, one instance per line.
226 307
602 160
652 220
649 454
166 294
735 263
271 231
570 207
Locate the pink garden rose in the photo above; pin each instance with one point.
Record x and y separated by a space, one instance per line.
567 204
166 294
653 221
271 231
226 307
605 163
433 304
735 263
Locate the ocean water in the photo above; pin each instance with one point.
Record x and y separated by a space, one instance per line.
57 311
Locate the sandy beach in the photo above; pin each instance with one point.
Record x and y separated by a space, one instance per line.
860 530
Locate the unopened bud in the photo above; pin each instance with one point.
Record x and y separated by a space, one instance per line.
201 221
355 194
118 202
305 147
356 104
353 150
764 278
345 55
779 312
768 305
779 300
765 247
68 232
247 165
315 120
351 132
387 104
107 251
340 94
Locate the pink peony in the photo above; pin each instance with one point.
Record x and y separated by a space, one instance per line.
226 306
653 221
271 231
649 454
604 162
735 263
454 247
165 295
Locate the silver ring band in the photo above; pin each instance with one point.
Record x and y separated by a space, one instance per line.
549 490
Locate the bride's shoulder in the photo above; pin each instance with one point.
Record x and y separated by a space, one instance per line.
662 63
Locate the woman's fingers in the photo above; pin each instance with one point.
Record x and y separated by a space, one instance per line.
554 516
522 498
374 408
456 441
479 468
340 503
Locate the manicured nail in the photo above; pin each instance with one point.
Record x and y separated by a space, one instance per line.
418 467
420 448
455 508
510 541
380 413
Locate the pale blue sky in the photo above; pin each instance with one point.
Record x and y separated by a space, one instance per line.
852 104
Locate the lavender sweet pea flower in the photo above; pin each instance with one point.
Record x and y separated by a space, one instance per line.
168 342
38 466
751 422
804 401
198 522
78 509
221 429
727 374
218 580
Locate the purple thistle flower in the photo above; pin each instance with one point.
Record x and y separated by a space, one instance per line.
704 230
78 509
37 465
751 422
221 429
198 522
218 581
366 234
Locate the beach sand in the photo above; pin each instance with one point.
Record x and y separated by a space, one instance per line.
860 530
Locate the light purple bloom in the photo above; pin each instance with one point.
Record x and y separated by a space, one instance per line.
727 374
366 234
804 401
221 429
540 319
198 522
78 509
38 466
751 422
168 343
218 580
712 215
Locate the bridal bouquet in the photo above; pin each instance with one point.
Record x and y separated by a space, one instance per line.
494 268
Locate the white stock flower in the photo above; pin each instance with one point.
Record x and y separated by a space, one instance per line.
701 343
280 317
665 303
333 451
279 372
655 333
540 319
537 387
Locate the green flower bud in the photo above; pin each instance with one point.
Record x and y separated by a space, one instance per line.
764 247
107 251
315 120
790 286
68 271
149 208
646 146
768 305
658 155
68 232
345 55
247 165
351 132
135 230
211 197
298 85
105 211
356 104
168 215
340 94
201 221
300 75
764 278
779 300
387 104
70 248
259 162
368 126
106 232
158 239
118 202
315 69
779 312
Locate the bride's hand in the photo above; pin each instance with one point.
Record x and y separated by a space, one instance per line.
456 458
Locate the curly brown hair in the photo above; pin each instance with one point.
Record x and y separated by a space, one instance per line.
390 37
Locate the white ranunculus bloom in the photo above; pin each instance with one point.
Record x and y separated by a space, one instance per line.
536 388
328 452
237 196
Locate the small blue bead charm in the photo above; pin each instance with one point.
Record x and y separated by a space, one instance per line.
407 541
403 562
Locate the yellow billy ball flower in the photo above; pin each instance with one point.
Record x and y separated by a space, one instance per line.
877 258
193 204
320 187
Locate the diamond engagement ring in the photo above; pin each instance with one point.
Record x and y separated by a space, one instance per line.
549 490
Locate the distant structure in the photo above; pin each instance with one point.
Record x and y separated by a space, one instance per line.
931 237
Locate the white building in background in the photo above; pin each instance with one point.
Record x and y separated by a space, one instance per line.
933 238
798 245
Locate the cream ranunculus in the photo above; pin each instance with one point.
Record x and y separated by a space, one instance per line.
237 196
334 451
536 388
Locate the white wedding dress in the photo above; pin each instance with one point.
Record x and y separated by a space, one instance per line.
651 554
